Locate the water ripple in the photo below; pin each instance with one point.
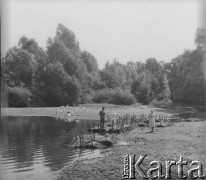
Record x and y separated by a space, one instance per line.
32 147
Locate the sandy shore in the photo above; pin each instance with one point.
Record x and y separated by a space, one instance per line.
187 139
88 111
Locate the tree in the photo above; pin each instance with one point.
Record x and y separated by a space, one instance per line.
19 97
200 37
64 48
186 77
165 93
57 87
153 66
141 87
20 67
2 69
151 82
31 46
66 36
111 75
118 75
139 66
90 61
4 81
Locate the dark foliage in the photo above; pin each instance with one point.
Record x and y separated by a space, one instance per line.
19 97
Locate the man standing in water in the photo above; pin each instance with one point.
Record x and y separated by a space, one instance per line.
151 121
102 118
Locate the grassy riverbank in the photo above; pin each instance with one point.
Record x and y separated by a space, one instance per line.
87 111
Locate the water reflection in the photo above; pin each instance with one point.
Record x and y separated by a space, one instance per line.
32 147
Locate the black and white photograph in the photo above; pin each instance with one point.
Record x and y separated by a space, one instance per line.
103 89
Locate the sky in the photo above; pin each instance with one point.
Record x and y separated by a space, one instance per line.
127 30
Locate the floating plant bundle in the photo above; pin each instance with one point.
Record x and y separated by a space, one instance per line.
90 142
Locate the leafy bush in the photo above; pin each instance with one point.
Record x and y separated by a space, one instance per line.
19 97
85 98
116 96
102 96
122 97
165 103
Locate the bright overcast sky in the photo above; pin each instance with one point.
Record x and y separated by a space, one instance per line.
121 29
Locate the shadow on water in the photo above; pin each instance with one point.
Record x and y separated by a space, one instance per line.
31 147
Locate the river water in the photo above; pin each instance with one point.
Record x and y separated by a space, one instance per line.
36 148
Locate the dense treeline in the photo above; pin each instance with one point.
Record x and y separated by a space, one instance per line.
64 74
